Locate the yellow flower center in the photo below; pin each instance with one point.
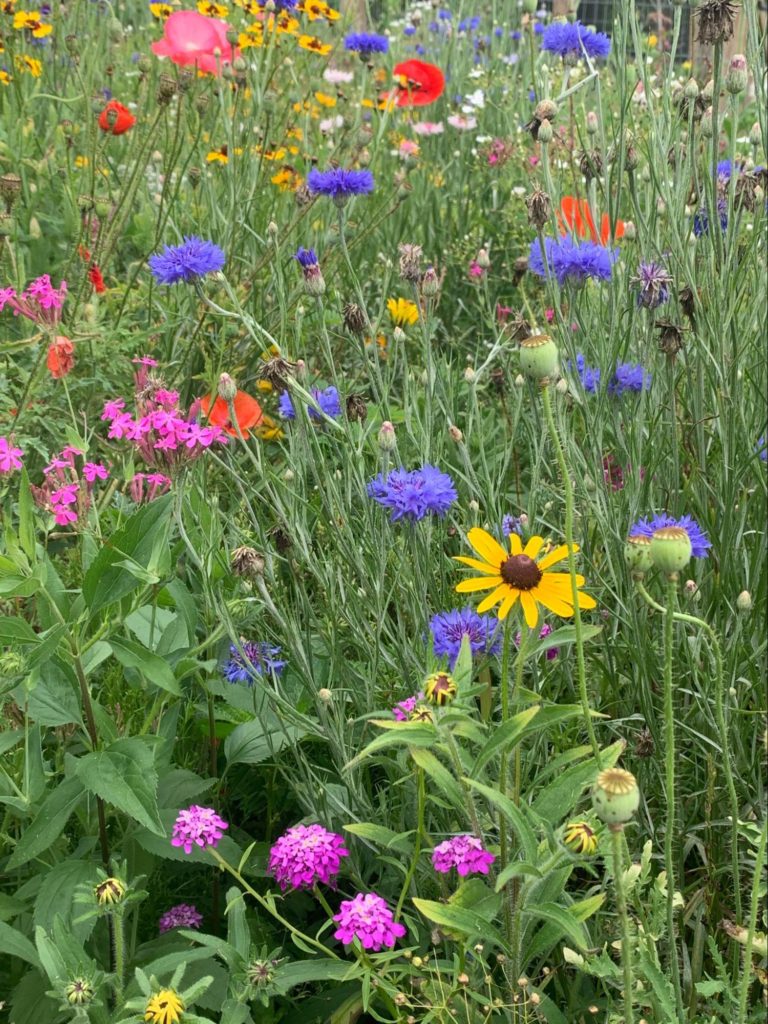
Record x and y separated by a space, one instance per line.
520 572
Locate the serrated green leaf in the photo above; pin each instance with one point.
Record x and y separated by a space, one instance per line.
49 822
124 776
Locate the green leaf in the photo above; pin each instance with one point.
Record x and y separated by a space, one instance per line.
238 932
439 774
563 636
515 816
49 822
141 540
180 786
381 836
288 976
56 897
13 943
566 923
53 697
159 845
586 908
557 800
14 630
460 919
124 776
505 737
255 741
132 654
415 734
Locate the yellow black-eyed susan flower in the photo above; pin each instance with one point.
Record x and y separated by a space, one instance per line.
164 1008
580 837
440 688
315 45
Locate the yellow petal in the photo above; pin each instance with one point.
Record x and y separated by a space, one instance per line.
515 544
561 579
557 604
585 601
487 546
530 610
556 556
507 604
484 583
494 598
533 547
474 563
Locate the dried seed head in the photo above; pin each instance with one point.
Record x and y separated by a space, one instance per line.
247 562
539 207
644 745
357 410
166 89
10 188
355 320
278 371
410 262
670 338
591 164
302 196
715 19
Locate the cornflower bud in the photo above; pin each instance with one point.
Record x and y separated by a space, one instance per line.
744 601
387 439
455 434
737 76
430 285
755 135
483 259
592 123
545 134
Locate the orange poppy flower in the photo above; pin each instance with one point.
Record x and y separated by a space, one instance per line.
576 217
116 119
418 84
247 410
61 357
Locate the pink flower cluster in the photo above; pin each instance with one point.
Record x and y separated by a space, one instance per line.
368 919
403 708
499 152
306 854
183 915
197 826
10 456
148 486
40 302
465 853
65 491
165 437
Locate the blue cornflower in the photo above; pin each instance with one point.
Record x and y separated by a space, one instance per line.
762 448
366 43
700 543
701 219
193 258
306 258
412 494
449 629
572 39
409 30
512 524
571 261
252 660
629 377
654 281
340 184
421 50
444 14
517 34
538 30
282 5
327 399
498 32
588 375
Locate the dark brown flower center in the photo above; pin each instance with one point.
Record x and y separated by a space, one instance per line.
521 572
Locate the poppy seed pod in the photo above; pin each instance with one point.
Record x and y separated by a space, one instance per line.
615 796
538 357
670 549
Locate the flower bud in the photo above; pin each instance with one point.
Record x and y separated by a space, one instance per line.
455 434
592 123
314 282
744 601
469 374
324 695
399 334
110 891
630 231
691 90
706 126
615 796
440 688
79 992
562 386
580 837
755 135
519 380
538 357
546 134
387 439
430 284
483 259
671 549
737 76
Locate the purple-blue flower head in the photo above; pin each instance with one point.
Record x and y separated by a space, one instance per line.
252 660
588 375
281 5
413 494
449 629
366 43
700 543
194 258
701 219
654 281
306 258
327 399
512 524
762 448
629 377
339 184
572 39
571 261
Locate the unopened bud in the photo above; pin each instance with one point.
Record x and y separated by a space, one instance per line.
592 123
430 284
755 135
455 434
737 76
708 91
227 388
630 231
483 259
324 695
469 374
387 439
744 601
399 334
691 90
562 386
545 132
519 380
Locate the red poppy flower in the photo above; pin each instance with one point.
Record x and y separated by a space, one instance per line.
247 410
96 279
116 119
575 216
61 357
418 84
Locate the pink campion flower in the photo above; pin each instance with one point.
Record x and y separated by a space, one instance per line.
40 302
403 708
425 128
503 313
10 456
475 270
465 853
144 361
197 826
183 915
113 409
306 854
165 397
66 495
189 38
63 515
157 483
95 471
368 919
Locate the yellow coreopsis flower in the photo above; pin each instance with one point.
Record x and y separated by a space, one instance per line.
315 45
315 9
30 20
160 11
5 78
29 65
212 10
325 100
287 179
402 312
164 1008
516 575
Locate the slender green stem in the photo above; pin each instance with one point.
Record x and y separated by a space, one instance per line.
320 897
117 925
669 744
757 881
621 904
568 495
421 802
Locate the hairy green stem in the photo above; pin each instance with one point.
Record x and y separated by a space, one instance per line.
621 904
757 881
421 802
117 924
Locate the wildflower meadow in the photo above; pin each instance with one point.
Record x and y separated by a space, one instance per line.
383 483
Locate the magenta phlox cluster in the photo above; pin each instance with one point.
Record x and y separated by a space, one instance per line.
368 919
306 854
197 826
466 853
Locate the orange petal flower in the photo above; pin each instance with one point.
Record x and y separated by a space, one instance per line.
247 411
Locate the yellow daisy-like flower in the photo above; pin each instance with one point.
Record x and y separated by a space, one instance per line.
315 45
5 78
286 179
580 837
29 65
164 1008
402 311
325 100
249 6
515 574
81 161
294 133
211 10
253 36
30 20
160 11
315 9
285 24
